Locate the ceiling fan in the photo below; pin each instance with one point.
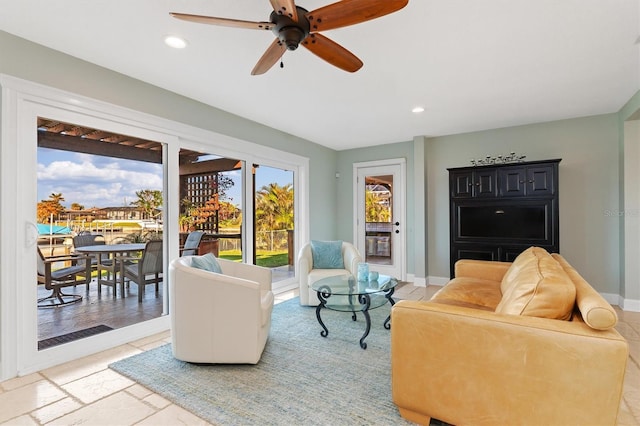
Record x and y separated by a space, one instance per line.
294 25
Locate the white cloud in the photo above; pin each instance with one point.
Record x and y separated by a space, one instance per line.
96 181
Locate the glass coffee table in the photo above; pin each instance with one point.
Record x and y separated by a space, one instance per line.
346 294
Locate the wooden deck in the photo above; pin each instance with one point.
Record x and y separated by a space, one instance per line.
96 310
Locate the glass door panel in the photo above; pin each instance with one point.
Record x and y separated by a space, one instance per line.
104 187
378 219
274 221
211 202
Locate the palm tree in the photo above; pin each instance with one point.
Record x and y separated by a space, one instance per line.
377 208
274 207
148 200
52 206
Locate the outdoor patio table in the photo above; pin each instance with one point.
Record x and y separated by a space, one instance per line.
114 251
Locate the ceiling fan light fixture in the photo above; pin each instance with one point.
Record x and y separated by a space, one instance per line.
291 37
175 42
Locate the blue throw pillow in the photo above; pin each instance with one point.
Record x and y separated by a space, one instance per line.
327 254
208 262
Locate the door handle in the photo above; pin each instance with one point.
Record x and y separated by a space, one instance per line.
31 234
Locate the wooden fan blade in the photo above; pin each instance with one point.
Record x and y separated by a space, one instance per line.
270 57
332 52
349 12
225 22
285 7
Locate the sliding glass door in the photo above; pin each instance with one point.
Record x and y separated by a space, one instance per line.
79 167
274 219
94 187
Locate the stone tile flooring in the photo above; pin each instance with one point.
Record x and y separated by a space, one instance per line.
86 391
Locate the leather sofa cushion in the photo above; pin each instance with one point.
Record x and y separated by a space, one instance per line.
536 285
470 292
523 259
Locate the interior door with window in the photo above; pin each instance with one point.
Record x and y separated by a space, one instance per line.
380 216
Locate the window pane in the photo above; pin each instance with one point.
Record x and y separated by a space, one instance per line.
378 226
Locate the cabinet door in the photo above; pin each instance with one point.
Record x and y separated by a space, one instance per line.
473 183
540 180
530 181
475 252
509 253
478 253
484 183
512 181
461 183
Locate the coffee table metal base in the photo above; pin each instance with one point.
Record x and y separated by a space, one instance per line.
324 293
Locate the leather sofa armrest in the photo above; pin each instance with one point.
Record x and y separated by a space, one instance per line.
484 269
467 366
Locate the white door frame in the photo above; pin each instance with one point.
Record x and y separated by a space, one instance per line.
398 166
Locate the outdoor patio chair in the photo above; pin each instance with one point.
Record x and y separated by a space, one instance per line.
192 243
83 240
146 269
77 274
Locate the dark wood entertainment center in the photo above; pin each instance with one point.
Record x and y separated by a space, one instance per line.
498 211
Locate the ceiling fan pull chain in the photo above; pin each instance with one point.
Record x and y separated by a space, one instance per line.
281 64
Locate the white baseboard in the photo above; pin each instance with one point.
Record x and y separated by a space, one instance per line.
612 298
631 305
417 281
423 282
439 281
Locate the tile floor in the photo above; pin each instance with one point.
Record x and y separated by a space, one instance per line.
86 391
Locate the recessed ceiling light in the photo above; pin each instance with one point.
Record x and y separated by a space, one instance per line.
417 110
175 42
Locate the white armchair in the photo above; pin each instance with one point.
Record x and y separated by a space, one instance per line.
219 318
308 274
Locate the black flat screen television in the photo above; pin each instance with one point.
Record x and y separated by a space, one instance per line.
512 222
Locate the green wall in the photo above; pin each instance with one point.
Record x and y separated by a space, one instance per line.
630 111
23 59
589 197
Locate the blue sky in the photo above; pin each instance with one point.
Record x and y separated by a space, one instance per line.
96 181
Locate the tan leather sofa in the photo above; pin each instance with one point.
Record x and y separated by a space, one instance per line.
528 342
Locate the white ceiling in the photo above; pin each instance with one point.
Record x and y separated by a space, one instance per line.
472 64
